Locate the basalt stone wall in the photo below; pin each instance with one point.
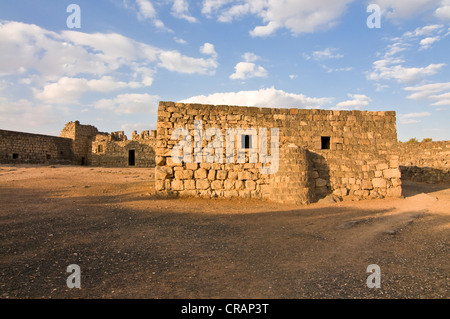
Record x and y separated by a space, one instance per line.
26 148
320 152
425 162
114 150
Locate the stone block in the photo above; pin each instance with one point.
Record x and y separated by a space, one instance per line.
163 172
184 174
379 183
202 184
392 173
177 185
250 185
366 184
217 185
320 182
201 173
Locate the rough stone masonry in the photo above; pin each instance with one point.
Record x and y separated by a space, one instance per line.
320 152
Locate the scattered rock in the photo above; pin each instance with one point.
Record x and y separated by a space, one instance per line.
330 199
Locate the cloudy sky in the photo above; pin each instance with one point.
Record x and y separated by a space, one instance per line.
126 55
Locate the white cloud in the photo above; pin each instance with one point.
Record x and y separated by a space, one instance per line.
389 69
293 76
146 11
443 12
246 70
24 113
269 97
175 61
250 57
356 102
411 118
427 42
234 12
130 103
404 9
429 92
208 49
180 9
68 90
210 6
179 40
329 70
60 67
425 30
298 16
324 54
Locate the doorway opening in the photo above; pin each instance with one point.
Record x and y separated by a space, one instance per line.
131 157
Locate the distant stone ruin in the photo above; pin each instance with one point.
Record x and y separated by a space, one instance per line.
79 145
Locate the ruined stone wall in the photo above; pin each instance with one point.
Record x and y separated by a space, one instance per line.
425 162
358 160
26 148
113 150
82 136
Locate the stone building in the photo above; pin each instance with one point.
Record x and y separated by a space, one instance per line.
79 144
320 152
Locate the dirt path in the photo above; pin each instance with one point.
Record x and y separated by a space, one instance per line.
131 244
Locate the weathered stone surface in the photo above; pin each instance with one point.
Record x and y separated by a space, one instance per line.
392 173
202 184
201 173
357 163
320 182
379 183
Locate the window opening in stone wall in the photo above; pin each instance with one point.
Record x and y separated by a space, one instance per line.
247 142
131 157
83 161
100 149
325 142
48 156
15 156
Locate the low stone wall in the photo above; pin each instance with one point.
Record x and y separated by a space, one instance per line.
27 148
425 161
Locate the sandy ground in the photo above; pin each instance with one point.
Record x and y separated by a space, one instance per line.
131 244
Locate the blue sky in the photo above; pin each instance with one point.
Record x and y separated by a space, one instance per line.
128 55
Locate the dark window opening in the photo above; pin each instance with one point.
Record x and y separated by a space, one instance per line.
62 153
83 161
131 158
325 142
100 149
247 142
15 156
48 156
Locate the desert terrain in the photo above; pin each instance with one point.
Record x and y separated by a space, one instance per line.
130 243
